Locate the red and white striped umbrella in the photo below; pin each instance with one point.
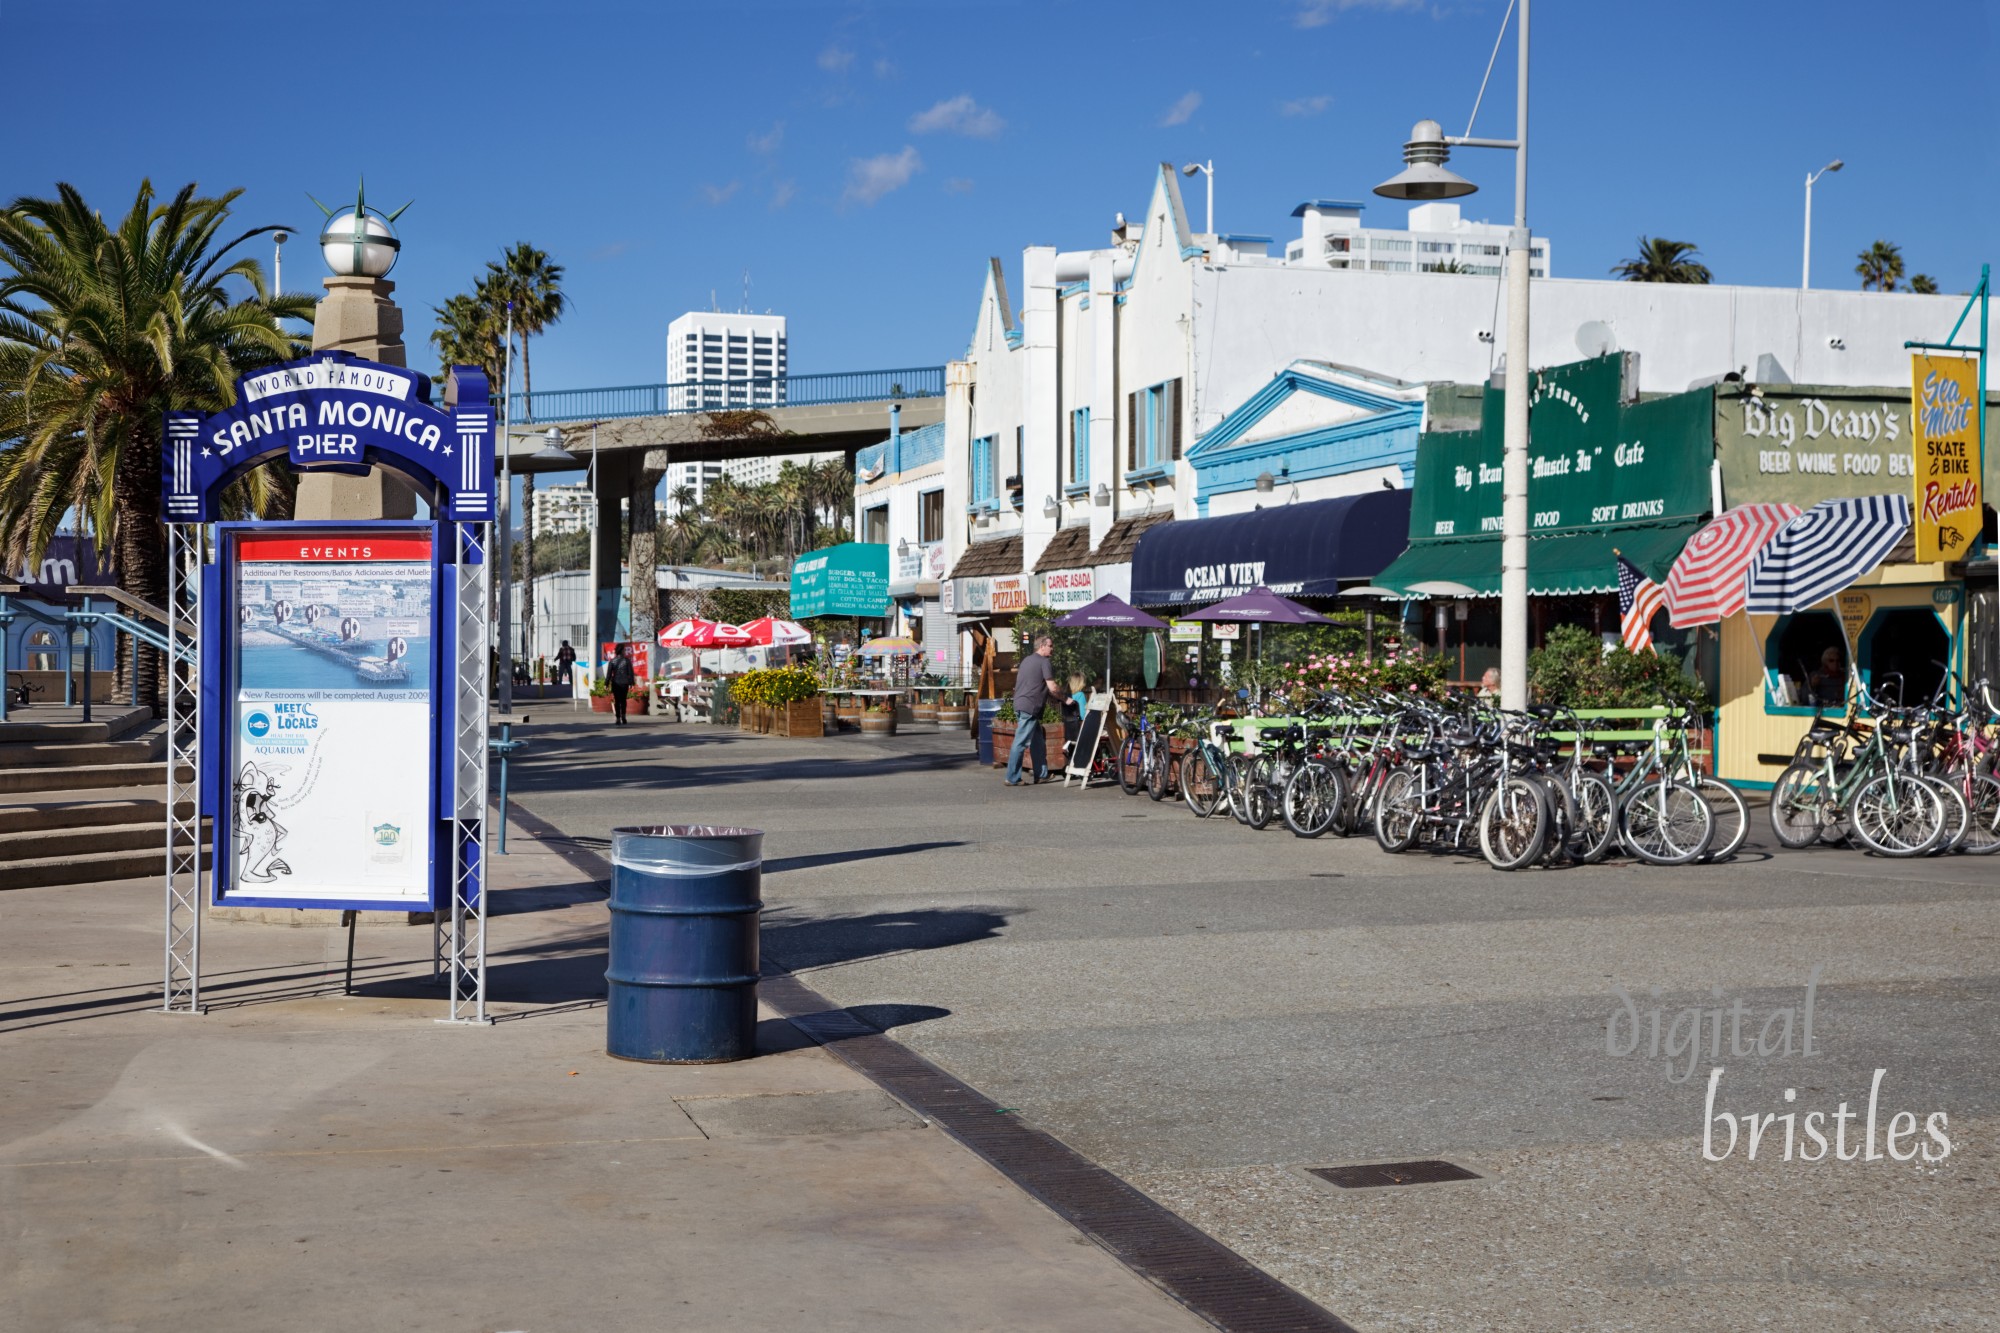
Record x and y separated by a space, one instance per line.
777 633
1706 584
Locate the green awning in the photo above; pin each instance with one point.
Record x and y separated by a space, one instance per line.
1562 565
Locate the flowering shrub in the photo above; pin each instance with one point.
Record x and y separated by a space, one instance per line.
775 686
1400 668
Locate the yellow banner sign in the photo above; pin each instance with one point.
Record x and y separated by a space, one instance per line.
1944 440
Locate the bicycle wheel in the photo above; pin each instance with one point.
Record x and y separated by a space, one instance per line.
1201 785
1399 811
1596 826
1896 816
1160 773
1732 818
1131 764
1800 805
1258 804
1313 798
1665 823
1514 824
1957 817
1982 833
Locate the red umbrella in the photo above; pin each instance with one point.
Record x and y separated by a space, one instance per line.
777 633
717 634
1706 583
680 630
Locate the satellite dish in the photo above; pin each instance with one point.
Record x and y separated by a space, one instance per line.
1595 338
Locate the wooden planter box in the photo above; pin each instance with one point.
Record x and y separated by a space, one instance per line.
805 717
1003 741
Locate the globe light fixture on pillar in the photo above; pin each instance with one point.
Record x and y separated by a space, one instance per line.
1425 178
358 316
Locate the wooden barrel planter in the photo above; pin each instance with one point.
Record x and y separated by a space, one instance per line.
878 724
950 718
925 712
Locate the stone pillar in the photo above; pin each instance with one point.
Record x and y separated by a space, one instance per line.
357 316
614 487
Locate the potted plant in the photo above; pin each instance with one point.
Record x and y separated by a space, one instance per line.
879 719
600 698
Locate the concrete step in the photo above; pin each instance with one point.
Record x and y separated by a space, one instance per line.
89 868
57 754
86 808
29 845
83 777
65 726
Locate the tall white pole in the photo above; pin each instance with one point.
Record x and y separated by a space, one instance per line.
1514 458
1805 268
506 690
1210 172
590 647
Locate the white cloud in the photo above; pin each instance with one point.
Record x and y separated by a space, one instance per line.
1180 112
767 142
958 185
885 68
782 192
1305 106
869 178
717 195
835 59
1319 13
959 115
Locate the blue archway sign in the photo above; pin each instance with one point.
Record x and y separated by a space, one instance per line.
336 412
327 704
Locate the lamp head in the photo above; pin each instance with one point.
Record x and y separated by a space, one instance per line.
1835 165
552 451
1190 169
1424 176
1266 482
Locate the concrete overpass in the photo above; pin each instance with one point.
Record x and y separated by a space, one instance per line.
642 429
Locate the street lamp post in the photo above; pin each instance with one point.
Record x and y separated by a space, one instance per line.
1423 178
278 240
1805 269
1207 169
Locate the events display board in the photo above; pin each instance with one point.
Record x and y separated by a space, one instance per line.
332 682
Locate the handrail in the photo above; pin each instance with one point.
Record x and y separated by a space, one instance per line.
685 397
131 603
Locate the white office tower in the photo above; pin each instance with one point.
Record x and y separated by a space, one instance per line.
695 477
560 509
709 353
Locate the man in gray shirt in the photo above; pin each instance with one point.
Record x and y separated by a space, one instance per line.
1034 687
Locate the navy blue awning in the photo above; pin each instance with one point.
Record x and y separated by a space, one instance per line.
1299 550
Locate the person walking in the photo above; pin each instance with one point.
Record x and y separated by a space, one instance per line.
1034 688
565 659
618 674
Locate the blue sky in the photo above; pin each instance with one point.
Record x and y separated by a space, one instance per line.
861 160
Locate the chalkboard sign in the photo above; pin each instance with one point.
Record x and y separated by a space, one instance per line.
1089 735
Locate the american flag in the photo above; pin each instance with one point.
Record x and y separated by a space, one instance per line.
1638 599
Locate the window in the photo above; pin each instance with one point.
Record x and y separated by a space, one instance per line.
875 525
41 650
982 468
1380 244
1434 247
1153 426
930 516
1807 657
1079 447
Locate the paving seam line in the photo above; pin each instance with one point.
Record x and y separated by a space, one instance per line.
1194 1268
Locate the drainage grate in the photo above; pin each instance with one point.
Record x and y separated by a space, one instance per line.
1371 1174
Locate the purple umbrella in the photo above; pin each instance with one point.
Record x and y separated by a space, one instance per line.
1109 612
1260 604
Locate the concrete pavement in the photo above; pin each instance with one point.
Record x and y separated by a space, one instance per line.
302 1159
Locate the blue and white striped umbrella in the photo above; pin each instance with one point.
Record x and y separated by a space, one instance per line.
1823 551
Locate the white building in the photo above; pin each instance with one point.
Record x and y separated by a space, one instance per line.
695 477
564 508
709 351
1080 408
1438 240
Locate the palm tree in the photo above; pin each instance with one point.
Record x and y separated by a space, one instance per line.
1923 284
1880 267
102 330
528 278
468 333
1663 261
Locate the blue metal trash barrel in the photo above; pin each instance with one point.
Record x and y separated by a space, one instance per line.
685 909
989 709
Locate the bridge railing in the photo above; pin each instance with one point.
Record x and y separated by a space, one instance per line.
691 396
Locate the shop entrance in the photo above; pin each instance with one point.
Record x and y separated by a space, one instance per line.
1911 642
1808 653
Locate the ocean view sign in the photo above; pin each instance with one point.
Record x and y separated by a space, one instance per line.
332 671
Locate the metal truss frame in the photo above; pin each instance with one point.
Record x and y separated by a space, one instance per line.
187 545
459 939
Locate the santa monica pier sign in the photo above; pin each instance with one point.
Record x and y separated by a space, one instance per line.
335 716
